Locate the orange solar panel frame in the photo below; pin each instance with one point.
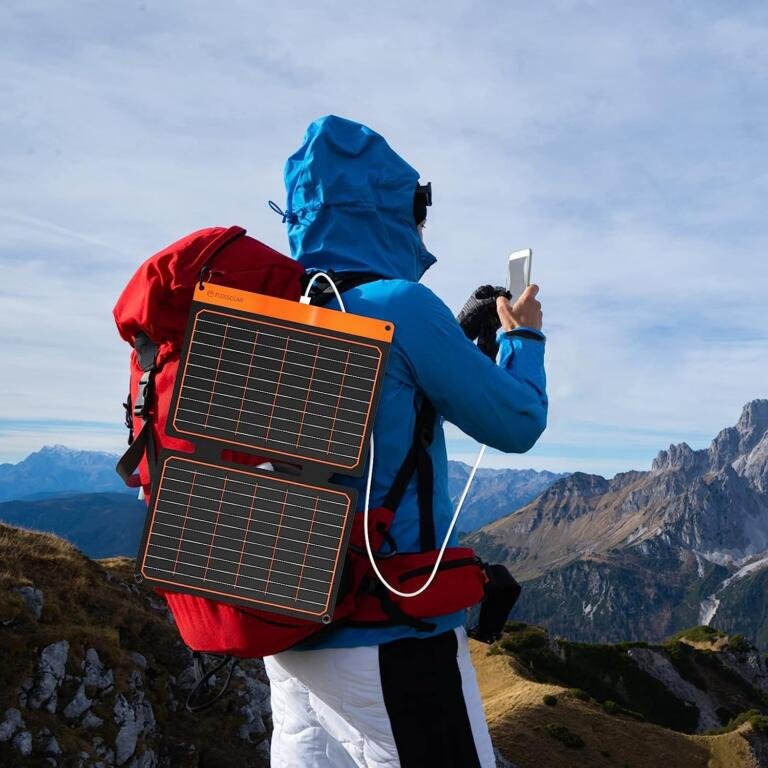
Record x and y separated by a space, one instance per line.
298 385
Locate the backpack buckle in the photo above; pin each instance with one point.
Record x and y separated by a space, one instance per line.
144 394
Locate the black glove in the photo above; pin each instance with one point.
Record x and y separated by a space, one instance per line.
480 320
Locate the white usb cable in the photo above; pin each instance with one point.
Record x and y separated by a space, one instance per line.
305 299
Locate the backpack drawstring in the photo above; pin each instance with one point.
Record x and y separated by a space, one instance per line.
288 216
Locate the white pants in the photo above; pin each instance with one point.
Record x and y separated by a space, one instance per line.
410 704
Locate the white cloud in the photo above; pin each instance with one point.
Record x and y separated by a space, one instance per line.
625 143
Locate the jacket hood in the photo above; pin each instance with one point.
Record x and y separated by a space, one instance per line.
350 203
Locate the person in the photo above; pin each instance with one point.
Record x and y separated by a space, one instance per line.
395 695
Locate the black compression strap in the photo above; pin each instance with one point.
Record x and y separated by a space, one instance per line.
422 437
418 461
398 615
143 443
130 460
425 481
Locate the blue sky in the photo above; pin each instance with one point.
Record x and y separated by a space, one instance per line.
626 143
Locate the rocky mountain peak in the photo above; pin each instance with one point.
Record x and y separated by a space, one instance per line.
754 418
734 444
731 447
679 457
580 484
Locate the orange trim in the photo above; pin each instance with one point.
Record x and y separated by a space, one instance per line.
294 311
184 585
264 444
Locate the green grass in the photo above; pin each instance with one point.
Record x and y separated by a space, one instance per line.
578 693
739 644
564 735
702 634
754 717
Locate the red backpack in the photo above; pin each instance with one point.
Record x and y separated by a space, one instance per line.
151 314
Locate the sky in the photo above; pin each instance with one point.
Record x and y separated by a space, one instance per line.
626 143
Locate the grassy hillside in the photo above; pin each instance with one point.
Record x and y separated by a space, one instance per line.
557 704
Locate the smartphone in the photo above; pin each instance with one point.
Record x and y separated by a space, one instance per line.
519 272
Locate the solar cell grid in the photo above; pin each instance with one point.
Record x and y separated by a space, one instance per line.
263 540
267 385
283 380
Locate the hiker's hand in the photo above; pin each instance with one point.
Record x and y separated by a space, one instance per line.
526 311
477 316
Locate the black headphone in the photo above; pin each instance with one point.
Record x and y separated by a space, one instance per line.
422 198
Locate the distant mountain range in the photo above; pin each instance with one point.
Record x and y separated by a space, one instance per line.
55 469
78 495
99 524
495 493
648 553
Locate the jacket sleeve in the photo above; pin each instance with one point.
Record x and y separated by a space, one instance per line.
502 405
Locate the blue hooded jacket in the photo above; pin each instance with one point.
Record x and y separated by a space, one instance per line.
350 208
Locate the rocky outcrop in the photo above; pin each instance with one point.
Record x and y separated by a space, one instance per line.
733 444
116 720
100 678
42 690
749 664
741 446
12 723
33 599
680 457
657 665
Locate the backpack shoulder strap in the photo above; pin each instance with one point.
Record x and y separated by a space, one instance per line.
417 459
344 281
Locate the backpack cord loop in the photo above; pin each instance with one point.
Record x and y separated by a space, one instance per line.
203 678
